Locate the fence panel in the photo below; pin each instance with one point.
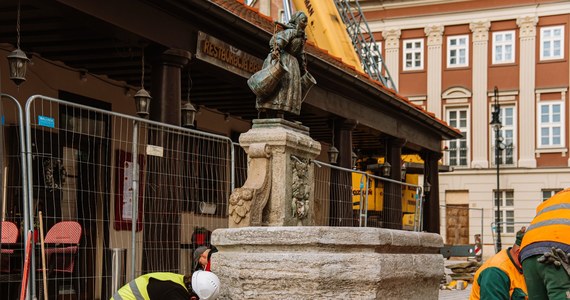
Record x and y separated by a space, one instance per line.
84 176
462 228
13 194
347 197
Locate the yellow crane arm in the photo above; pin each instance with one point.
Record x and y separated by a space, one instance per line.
327 31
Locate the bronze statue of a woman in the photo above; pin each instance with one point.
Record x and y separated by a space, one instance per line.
283 82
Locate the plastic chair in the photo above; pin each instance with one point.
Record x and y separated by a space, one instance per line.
9 238
62 244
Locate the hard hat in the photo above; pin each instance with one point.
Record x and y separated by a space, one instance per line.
206 285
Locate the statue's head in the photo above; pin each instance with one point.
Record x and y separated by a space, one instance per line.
298 19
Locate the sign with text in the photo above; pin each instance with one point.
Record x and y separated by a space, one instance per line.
223 55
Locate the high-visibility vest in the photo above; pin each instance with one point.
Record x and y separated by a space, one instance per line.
552 221
136 289
502 261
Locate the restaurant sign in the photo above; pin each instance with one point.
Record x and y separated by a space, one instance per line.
226 56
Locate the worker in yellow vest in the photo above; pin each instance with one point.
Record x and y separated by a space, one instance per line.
545 250
163 285
501 277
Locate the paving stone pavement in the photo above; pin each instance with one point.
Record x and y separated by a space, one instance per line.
455 294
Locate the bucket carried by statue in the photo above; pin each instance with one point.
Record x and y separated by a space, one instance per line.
307 82
264 82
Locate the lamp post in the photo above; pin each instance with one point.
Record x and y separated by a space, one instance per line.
496 125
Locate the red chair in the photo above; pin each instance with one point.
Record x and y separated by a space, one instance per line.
62 244
9 238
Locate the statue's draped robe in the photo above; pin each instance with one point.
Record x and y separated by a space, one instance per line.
287 96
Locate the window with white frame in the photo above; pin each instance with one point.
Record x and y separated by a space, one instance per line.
503 47
552 42
458 51
547 193
413 54
551 124
504 200
458 148
507 116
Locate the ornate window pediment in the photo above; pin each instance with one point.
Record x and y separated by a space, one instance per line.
456 93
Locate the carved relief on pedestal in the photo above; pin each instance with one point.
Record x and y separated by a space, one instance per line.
300 188
247 202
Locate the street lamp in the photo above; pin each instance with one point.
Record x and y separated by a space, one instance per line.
333 151
496 125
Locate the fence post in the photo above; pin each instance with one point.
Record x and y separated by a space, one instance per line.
117 263
135 197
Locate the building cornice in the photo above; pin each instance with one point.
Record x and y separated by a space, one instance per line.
453 18
504 171
373 5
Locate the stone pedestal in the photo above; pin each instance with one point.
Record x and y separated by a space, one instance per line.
327 263
288 150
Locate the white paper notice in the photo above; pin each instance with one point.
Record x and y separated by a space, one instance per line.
128 191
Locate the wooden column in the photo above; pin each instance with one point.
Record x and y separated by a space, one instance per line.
341 188
345 142
431 216
166 87
392 206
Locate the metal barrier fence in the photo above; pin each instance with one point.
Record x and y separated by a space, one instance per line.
348 197
508 227
461 224
94 198
121 196
13 192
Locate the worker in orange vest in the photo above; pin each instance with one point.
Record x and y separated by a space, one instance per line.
501 276
545 249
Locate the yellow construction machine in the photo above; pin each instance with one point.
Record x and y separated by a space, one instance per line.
372 192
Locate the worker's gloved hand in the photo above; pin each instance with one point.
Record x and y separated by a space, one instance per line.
556 257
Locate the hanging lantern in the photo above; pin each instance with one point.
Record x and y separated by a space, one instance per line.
354 159
142 97
427 187
333 154
386 169
188 115
403 172
18 62
333 151
142 103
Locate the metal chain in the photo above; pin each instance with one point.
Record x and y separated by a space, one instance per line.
189 85
18 26
142 71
